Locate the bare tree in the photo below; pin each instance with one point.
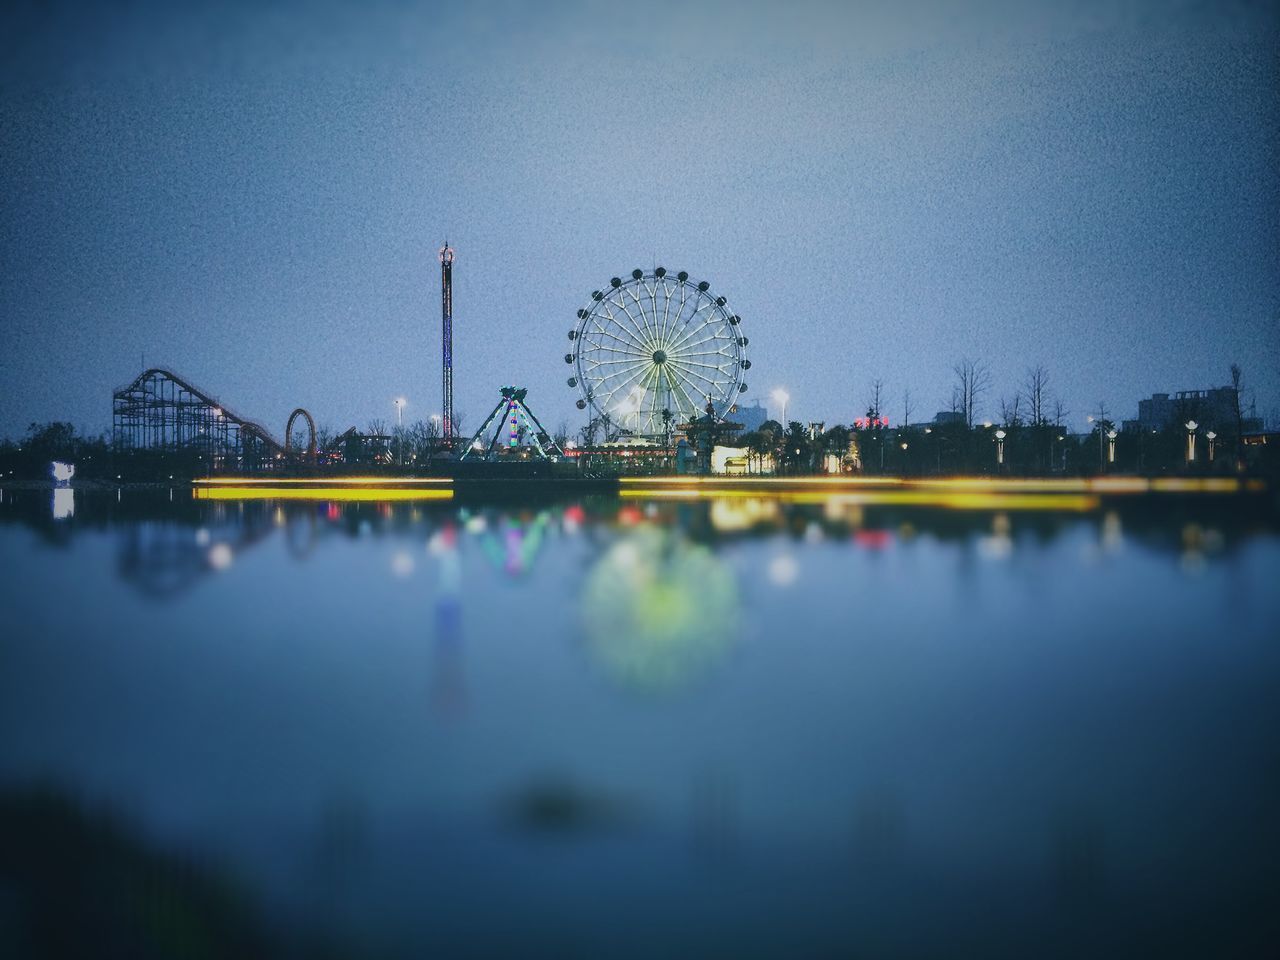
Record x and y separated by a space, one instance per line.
324 436
907 407
1060 412
377 427
1009 410
1035 393
1104 424
877 386
973 379
561 436
427 438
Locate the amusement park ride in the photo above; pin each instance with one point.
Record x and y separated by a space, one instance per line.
517 429
648 350
647 353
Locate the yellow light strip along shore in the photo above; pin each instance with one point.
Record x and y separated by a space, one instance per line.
285 482
342 494
1097 485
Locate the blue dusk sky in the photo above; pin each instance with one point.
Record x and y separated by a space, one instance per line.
253 195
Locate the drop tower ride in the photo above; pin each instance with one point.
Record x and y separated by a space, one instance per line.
446 341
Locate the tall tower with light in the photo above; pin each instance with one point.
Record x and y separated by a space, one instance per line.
446 342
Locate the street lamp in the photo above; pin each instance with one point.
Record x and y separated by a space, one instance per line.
1102 429
1000 435
1191 441
780 397
1211 436
1111 446
400 430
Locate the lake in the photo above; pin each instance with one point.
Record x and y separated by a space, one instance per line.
601 726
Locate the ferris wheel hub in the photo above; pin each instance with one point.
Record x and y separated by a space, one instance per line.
659 356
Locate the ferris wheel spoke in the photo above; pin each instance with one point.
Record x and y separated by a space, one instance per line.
691 328
636 326
607 376
626 325
640 325
653 394
692 374
684 349
651 331
666 307
678 384
612 333
683 316
707 353
630 361
612 377
659 395
620 327
706 366
618 344
653 303
710 329
628 381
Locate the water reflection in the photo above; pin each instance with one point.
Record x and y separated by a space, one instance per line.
706 723
657 610
64 503
448 687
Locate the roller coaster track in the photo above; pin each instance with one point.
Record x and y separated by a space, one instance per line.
161 409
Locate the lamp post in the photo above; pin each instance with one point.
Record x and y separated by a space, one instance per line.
780 397
1000 435
1102 429
1211 436
1191 441
1111 446
400 430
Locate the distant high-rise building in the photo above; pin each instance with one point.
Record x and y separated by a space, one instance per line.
751 417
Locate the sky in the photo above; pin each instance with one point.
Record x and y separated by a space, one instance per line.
253 196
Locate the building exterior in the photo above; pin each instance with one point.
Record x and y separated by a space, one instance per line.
752 418
1213 409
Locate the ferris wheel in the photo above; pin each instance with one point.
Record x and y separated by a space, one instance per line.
653 351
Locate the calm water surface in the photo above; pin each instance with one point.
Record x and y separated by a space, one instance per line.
601 727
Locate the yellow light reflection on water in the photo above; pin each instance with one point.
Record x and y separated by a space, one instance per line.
338 494
922 498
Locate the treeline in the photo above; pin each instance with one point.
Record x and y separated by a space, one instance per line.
1029 436
94 457
950 449
29 458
